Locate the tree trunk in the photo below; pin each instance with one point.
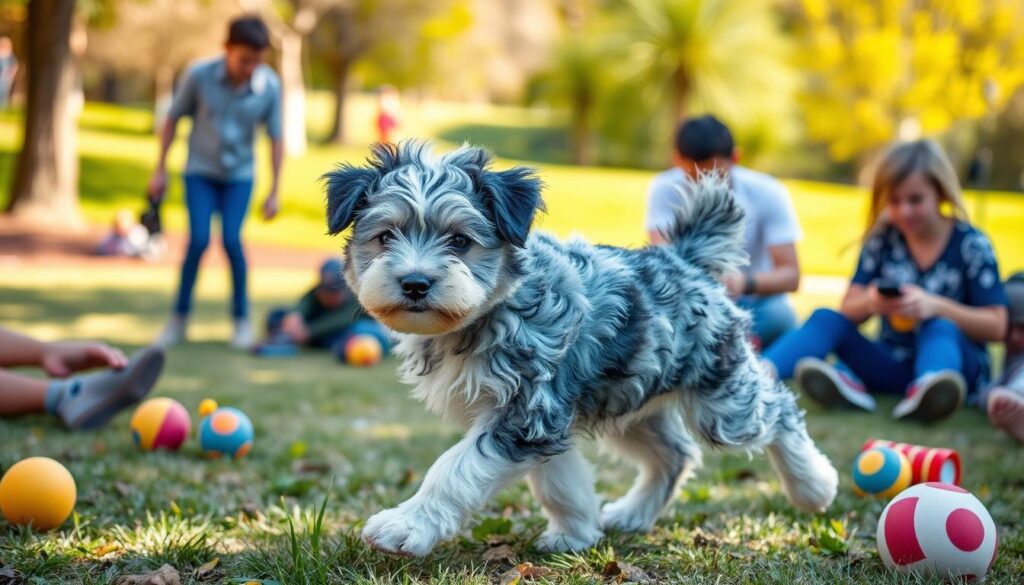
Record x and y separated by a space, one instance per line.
46 181
294 89
342 68
582 153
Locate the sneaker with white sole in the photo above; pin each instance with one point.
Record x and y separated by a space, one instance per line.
243 337
830 386
933 397
173 333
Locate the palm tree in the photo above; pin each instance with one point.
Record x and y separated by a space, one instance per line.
726 55
578 79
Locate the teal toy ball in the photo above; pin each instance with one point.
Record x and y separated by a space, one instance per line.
881 471
226 432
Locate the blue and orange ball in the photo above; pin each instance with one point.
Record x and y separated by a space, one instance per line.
160 423
881 471
224 431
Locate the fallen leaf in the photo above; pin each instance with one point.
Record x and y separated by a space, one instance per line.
499 554
207 568
701 541
251 510
745 474
301 466
407 479
523 571
99 447
165 575
104 550
124 490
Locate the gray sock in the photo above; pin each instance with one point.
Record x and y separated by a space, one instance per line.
91 400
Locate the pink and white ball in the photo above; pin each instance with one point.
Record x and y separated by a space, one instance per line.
939 530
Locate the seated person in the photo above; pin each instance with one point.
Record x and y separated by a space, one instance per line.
705 145
1003 400
933 280
86 401
326 316
126 238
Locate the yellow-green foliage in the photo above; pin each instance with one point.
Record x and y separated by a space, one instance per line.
879 64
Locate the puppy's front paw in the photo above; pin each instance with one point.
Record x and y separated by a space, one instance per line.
552 541
397 531
625 516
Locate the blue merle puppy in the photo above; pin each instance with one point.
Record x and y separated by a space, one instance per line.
529 342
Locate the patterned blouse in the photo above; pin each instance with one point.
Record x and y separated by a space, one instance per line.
966 272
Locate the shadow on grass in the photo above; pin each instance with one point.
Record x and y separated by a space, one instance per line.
529 143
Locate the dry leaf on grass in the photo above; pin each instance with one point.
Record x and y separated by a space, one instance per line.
524 571
165 575
207 569
624 573
499 554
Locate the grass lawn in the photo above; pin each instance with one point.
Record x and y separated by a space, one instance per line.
355 440
606 205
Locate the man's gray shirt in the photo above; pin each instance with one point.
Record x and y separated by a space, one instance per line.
224 118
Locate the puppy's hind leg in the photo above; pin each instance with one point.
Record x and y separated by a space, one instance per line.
749 410
564 486
665 454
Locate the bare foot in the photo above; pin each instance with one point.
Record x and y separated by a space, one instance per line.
1006 411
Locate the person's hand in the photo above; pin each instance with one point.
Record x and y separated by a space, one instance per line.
157 185
271 205
879 304
916 303
734 283
61 359
295 328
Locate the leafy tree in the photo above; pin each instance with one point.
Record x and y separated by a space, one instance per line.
885 68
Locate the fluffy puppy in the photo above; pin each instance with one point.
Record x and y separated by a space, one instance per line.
528 341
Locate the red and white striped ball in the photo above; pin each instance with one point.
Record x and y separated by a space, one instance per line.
939 530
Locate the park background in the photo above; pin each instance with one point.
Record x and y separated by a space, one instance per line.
588 91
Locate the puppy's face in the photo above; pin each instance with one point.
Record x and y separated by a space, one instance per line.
435 240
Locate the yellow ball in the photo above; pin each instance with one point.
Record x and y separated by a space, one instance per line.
37 491
363 350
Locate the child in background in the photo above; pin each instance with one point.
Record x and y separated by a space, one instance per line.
388 109
1004 399
326 316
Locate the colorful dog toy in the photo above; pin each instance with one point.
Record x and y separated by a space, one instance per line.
224 431
37 491
926 463
937 529
881 471
160 423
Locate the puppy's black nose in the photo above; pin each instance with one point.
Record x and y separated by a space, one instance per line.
415 286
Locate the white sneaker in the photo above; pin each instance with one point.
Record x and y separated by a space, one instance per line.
829 386
933 397
242 338
173 333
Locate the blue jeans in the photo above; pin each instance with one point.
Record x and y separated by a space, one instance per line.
230 199
940 346
773 316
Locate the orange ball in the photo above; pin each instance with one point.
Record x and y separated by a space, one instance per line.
363 350
37 491
902 324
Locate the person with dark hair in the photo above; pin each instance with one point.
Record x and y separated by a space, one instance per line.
705 145
327 316
227 98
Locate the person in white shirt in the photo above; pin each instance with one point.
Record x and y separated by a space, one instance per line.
705 145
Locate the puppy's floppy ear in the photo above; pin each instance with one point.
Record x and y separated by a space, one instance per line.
512 196
347 186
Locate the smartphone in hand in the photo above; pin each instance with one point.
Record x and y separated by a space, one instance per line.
888 288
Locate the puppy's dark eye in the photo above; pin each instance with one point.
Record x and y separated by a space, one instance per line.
459 242
385 238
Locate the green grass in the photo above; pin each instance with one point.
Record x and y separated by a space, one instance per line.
336 444
606 205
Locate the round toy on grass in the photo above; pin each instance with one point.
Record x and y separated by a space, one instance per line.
160 423
224 431
363 350
37 491
937 530
881 471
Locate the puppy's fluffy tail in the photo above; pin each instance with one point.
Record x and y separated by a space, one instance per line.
708 229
